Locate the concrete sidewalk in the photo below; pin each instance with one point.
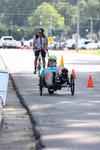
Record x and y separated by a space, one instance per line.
17 131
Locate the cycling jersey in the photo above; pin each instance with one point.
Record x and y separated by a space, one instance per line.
40 42
52 69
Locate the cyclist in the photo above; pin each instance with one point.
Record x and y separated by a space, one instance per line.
40 45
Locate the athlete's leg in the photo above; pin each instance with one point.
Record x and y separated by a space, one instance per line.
35 61
43 61
43 54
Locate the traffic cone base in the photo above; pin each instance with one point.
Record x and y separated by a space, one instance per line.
73 73
90 82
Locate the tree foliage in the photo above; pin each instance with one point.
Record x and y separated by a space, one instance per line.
68 12
46 16
57 15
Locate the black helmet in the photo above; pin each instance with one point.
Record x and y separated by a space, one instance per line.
41 30
52 58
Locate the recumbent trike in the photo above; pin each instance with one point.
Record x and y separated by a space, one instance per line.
58 82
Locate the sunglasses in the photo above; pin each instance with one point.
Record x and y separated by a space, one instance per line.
52 60
39 31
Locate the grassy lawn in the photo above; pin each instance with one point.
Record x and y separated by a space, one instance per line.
96 52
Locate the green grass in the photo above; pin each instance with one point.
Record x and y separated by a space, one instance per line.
96 52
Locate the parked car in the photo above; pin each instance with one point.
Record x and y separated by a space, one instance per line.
18 44
91 46
71 44
98 44
8 42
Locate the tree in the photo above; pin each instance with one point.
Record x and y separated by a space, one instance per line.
68 12
54 15
47 16
89 13
16 11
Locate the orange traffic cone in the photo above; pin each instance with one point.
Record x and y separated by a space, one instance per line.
90 82
62 61
73 73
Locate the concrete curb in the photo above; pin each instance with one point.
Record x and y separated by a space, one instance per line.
39 144
1 113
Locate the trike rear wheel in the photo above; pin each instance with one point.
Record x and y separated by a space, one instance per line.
40 85
72 84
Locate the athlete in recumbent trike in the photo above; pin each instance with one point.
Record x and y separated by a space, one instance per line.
54 78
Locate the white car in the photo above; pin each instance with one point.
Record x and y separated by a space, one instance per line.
91 46
8 41
18 44
71 44
98 44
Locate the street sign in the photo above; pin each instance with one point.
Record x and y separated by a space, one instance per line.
50 39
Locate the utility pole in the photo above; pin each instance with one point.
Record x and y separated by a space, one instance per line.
91 27
78 25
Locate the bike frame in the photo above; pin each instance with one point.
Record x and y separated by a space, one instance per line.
39 63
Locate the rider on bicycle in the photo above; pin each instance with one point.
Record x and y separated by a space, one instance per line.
40 45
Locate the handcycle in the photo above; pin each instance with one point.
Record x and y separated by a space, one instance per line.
58 83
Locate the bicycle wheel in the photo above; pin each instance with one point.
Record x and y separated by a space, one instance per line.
50 92
39 66
72 84
40 85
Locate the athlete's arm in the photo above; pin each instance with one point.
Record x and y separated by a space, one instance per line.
46 43
34 41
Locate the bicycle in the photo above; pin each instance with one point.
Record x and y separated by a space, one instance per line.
39 63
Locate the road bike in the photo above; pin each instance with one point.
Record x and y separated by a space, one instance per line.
39 62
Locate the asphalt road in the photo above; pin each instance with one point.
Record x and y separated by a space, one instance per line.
63 121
